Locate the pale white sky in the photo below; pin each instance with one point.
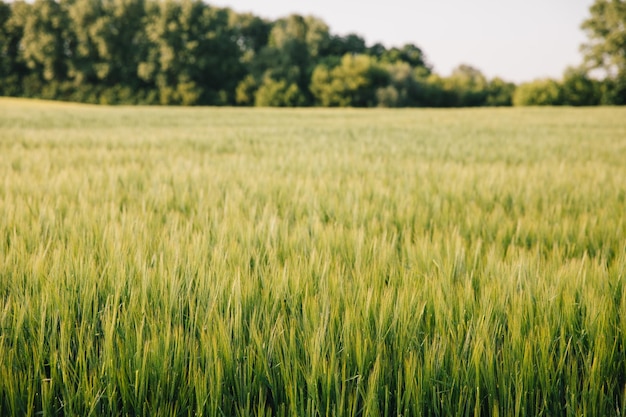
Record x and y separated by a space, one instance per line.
518 40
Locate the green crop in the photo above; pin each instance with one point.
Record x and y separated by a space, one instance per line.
312 262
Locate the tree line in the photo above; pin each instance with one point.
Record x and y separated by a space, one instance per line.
187 52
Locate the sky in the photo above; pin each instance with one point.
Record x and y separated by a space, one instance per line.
518 40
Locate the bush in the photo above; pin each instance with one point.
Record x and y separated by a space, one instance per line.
613 91
354 82
545 92
245 91
274 93
500 93
579 89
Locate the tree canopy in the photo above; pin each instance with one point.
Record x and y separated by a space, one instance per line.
188 52
606 47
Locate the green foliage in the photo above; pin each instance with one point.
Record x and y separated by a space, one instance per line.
579 89
44 51
295 43
187 52
407 86
544 92
468 86
353 82
465 87
606 47
409 54
606 29
244 94
109 41
251 32
437 91
304 262
613 91
500 93
272 93
8 52
326 89
352 43
191 57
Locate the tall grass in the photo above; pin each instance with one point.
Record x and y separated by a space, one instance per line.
235 262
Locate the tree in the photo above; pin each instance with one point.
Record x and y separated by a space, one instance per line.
407 86
249 32
274 93
295 45
353 83
338 46
579 89
409 54
377 50
466 86
12 68
500 93
192 57
108 41
437 92
613 91
45 50
245 91
86 17
401 82
317 37
606 49
606 29
544 92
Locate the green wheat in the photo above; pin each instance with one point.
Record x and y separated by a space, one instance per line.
239 262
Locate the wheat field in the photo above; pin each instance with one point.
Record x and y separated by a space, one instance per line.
159 261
